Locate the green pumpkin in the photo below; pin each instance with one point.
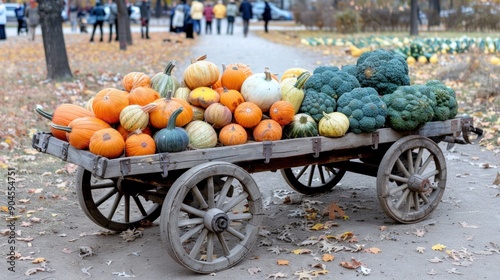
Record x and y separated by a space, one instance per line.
302 125
164 82
172 139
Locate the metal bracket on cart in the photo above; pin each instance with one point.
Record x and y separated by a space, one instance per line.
267 150
44 140
64 151
375 140
125 167
316 146
467 127
99 164
164 162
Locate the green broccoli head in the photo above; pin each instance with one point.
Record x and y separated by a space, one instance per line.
446 101
364 108
331 82
315 103
383 70
408 108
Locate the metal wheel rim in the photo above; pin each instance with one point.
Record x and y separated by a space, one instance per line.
409 158
188 239
92 195
314 178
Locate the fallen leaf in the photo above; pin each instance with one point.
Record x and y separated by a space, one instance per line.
318 226
353 264
454 271
432 272
33 270
420 250
39 260
419 232
382 228
301 251
67 251
328 257
435 260
319 272
86 270
373 250
276 275
497 179
303 275
254 270
364 270
465 225
334 211
438 247
123 274
283 262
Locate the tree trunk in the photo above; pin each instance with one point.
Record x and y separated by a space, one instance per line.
56 57
414 18
124 34
158 9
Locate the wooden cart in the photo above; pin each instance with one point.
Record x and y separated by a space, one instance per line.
210 207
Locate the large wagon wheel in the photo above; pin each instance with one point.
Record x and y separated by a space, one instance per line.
312 179
114 204
206 226
411 179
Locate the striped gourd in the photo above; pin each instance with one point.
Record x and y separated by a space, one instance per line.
164 82
135 117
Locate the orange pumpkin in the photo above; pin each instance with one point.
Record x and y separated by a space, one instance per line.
142 96
233 134
158 117
233 77
218 115
125 133
243 67
108 103
231 98
139 144
79 131
247 114
136 79
267 130
107 143
282 112
203 96
201 73
63 115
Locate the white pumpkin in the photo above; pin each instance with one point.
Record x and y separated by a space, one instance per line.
261 89
201 135
333 125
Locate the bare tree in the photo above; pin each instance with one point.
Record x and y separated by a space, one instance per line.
56 57
124 33
414 18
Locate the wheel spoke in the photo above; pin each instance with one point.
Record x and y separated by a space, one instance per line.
190 222
199 242
211 192
311 175
239 217
105 197
109 184
430 174
426 163
409 158
236 233
424 198
398 178
301 172
402 167
409 199
190 233
210 246
115 205
223 192
402 199
418 160
191 210
321 174
223 243
127 208
235 201
398 189
199 197
415 200
140 206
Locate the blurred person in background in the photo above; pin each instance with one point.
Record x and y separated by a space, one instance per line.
113 20
266 15
196 15
21 21
219 13
33 18
3 20
231 13
73 16
145 16
246 15
97 14
208 13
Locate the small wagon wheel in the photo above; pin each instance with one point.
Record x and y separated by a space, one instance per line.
312 179
112 205
211 217
411 179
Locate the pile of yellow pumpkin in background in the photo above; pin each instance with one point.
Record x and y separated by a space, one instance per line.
228 107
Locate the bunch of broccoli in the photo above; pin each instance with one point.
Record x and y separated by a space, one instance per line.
332 81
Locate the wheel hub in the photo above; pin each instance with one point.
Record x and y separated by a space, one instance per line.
417 183
216 220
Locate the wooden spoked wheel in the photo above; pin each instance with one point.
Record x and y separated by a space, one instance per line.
211 216
411 179
113 204
312 179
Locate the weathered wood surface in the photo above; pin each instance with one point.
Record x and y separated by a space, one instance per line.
267 152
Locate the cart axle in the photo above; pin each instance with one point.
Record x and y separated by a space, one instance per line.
216 220
417 183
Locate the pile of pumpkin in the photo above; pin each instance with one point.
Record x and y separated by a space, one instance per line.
208 108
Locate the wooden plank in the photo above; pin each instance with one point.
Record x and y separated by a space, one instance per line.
250 152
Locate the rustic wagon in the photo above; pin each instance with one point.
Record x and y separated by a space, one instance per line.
210 207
